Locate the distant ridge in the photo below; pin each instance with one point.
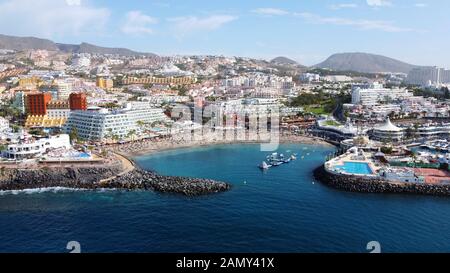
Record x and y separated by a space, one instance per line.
283 61
365 63
27 43
93 49
24 43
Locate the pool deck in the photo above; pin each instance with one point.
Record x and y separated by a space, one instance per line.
352 158
431 176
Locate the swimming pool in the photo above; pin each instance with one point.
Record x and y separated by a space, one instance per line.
84 155
355 168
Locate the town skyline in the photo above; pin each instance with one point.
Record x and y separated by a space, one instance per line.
306 32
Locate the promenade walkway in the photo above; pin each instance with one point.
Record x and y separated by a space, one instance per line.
126 163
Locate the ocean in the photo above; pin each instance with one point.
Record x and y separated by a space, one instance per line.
279 210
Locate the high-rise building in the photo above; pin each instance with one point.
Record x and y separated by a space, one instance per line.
36 103
105 83
99 123
30 82
20 101
428 76
375 93
78 101
63 89
57 109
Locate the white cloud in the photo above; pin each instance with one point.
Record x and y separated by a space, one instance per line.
73 2
138 23
270 11
344 6
361 24
187 24
379 3
50 18
421 5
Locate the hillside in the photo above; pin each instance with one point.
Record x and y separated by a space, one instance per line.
283 61
27 43
24 43
364 63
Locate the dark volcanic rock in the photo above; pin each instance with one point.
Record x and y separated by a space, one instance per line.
141 179
359 184
96 178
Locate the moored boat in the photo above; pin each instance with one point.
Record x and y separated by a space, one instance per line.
264 166
275 160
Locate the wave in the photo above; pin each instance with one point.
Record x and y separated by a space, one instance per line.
49 189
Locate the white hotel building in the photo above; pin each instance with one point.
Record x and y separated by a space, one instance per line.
427 76
99 123
30 148
375 93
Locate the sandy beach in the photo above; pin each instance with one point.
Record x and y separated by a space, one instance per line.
149 146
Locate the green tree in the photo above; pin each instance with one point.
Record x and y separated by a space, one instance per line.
73 135
131 134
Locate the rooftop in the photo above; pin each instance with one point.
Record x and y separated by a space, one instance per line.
388 127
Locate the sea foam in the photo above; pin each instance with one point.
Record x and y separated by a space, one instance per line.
40 190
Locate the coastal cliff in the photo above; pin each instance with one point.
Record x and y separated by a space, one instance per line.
365 185
105 177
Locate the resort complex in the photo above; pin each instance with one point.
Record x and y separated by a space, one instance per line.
259 127
125 105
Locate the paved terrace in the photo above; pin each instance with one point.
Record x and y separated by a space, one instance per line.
433 176
97 161
356 158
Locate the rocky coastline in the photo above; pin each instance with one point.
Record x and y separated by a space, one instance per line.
365 185
106 178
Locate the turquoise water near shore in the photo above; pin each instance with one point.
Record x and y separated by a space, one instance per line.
280 210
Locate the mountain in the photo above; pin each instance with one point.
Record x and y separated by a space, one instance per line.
93 49
365 63
27 43
283 61
24 43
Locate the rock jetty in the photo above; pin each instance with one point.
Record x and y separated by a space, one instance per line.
141 179
369 185
106 177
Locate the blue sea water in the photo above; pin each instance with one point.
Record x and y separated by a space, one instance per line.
281 210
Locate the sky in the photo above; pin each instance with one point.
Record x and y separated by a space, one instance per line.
308 31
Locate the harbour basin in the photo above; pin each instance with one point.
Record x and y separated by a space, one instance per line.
279 210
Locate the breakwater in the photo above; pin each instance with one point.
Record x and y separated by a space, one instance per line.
100 178
354 183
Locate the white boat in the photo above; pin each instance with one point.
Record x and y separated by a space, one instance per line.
275 160
264 166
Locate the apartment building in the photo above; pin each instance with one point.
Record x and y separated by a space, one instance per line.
98 123
375 94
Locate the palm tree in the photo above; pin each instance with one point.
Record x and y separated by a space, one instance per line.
140 123
131 134
153 124
110 134
414 158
